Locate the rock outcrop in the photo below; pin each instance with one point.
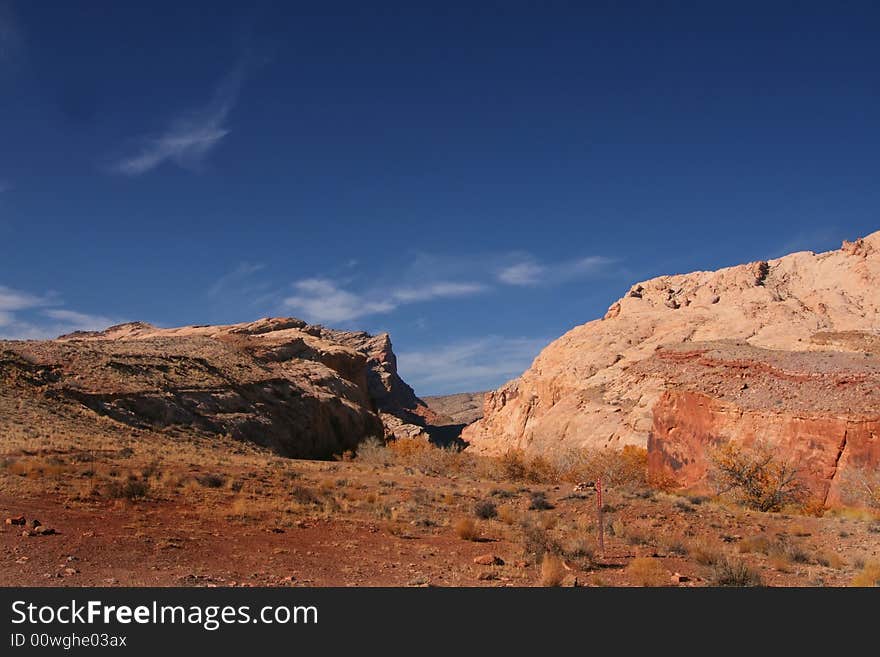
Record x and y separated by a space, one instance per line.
818 410
460 408
302 390
592 387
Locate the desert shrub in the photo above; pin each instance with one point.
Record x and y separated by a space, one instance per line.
552 570
705 552
211 480
537 541
507 514
485 509
579 549
131 489
869 576
538 501
755 477
674 544
830 559
466 529
304 495
727 572
760 544
623 467
514 465
373 451
645 571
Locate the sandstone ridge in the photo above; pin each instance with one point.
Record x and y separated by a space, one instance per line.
804 317
302 390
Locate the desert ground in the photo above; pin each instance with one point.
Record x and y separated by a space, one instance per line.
141 509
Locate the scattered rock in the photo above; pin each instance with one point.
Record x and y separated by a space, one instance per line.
489 560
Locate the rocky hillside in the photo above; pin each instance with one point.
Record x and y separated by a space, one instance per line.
304 391
460 408
600 384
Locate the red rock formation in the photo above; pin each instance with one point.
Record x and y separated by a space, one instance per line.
586 389
819 411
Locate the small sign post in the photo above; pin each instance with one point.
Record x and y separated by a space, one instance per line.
599 505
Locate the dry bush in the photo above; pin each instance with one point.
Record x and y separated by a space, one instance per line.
869 576
485 509
514 465
674 544
507 514
728 572
537 541
830 559
760 543
645 571
705 552
755 477
467 530
374 452
538 502
211 480
131 489
624 467
552 570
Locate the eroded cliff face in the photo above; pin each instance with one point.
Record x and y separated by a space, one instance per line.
819 411
304 391
587 389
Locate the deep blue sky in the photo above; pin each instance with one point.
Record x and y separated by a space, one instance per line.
475 180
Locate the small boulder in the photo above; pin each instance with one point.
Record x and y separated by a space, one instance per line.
488 560
16 520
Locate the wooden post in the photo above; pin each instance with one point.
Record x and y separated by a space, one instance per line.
600 515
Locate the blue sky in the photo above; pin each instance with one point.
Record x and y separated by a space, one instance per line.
474 178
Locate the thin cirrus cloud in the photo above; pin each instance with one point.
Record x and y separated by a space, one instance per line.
473 365
190 138
27 316
323 300
527 271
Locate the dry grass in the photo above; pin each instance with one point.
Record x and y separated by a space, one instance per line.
508 515
727 572
552 570
645 571
705 551
466 529
869 576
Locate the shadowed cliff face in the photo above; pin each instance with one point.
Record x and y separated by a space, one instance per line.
598 384
304 391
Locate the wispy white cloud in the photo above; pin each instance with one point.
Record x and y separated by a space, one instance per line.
477 364
72 320
436 290
27 316
522 273
526 270
323 300
235 279
190 137
13 300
